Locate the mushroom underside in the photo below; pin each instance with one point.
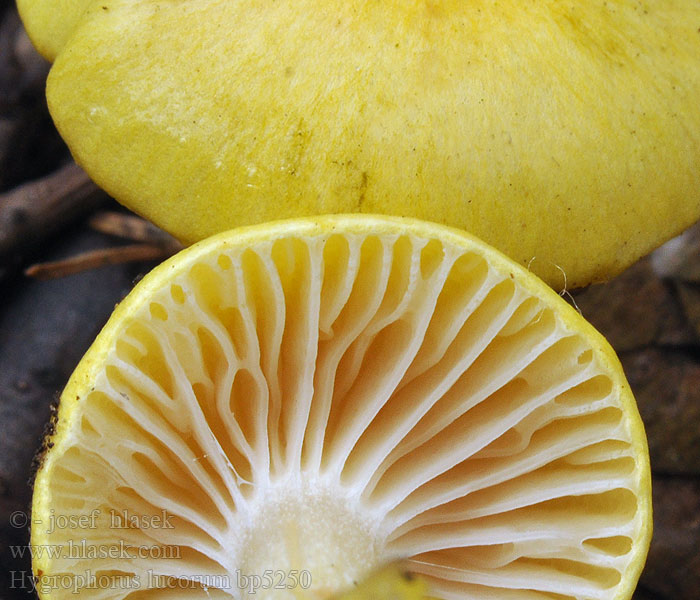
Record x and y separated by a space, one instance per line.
312 406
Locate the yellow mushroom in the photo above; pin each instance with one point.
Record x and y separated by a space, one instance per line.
566 134
302 402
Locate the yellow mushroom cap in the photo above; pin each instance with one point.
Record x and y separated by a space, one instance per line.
49 25
566 134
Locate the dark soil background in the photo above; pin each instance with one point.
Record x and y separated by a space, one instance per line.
650 314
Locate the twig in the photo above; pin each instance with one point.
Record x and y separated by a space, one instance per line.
155 244
34 210
97 258
133 228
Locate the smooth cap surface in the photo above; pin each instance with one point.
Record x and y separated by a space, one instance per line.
566 134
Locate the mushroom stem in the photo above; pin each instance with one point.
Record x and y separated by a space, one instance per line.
311 527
